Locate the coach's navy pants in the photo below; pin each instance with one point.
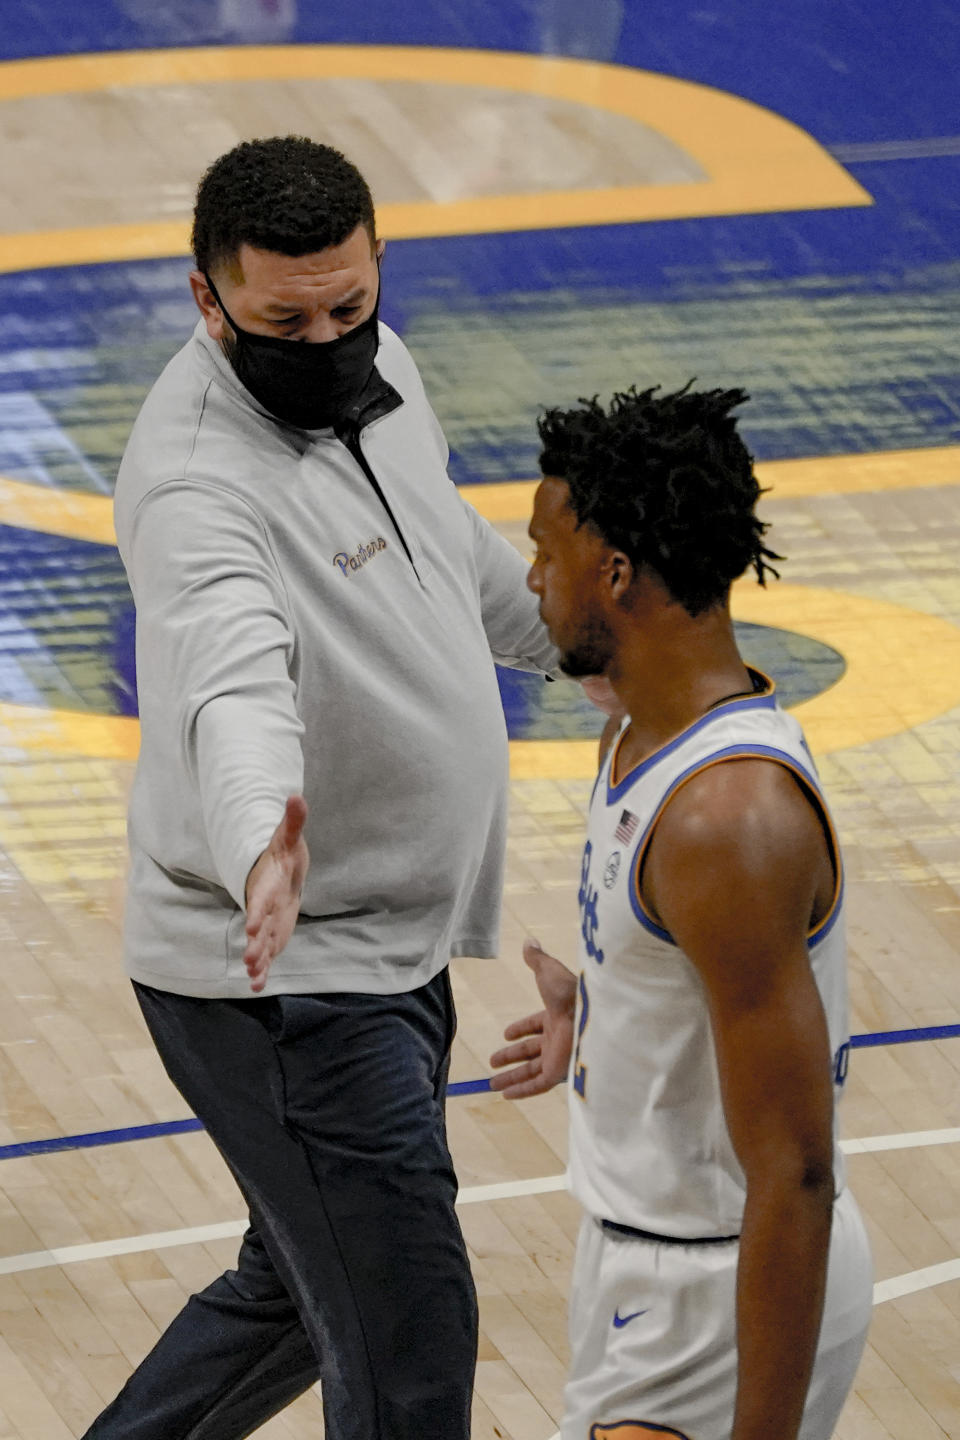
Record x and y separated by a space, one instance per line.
329 1111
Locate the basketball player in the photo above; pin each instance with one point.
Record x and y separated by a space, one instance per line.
722 1285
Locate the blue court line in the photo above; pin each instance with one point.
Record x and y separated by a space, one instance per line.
159 1129
165 1128
903 1037
98 1137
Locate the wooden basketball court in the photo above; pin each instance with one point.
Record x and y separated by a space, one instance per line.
110 1214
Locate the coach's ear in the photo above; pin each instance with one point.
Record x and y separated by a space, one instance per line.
207 304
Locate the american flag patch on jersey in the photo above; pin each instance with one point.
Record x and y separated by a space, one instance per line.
625 830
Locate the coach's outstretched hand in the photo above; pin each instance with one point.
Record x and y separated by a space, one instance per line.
273 892
543 1042
601 693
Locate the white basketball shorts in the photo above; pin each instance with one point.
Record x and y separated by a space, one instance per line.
653 1335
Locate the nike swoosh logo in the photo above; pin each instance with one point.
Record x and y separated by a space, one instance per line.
620 1320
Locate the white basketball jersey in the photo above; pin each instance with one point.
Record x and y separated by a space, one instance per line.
649 1146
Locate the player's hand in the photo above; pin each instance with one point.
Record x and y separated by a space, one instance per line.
543 1043
273 892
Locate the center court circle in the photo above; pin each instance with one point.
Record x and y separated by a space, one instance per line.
802 668
67 643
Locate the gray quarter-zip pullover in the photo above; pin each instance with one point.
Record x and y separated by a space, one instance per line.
299 631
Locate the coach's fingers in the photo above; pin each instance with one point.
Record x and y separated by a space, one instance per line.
288 832
258 904
256 959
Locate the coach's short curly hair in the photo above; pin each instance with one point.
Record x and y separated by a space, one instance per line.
286 194
667 480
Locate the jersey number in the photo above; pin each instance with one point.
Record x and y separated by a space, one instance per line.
580 1071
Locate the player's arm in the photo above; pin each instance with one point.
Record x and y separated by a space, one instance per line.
735 870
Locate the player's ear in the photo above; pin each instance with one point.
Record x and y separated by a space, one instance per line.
620 574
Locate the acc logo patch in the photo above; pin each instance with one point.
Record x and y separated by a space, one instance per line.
634 1430
611 870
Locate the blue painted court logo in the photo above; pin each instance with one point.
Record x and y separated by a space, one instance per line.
802 668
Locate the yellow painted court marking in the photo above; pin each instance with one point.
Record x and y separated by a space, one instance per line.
82 516
755 161
68 732
72 513
857 474
785 479
903 668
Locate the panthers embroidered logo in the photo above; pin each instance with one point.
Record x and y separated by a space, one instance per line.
349 563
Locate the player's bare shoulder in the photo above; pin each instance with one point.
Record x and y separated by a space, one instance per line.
747 833
738 803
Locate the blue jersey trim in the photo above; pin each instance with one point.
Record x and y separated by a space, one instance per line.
765 701
606 764
827 925
731 752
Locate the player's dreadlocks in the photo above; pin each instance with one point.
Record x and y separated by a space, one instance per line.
666 479
287 194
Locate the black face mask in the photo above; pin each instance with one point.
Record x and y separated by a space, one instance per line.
306 383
